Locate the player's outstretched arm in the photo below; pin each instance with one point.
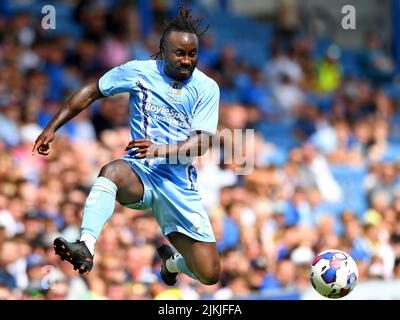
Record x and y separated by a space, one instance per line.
79 101
196 145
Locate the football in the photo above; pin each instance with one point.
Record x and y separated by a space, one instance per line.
334 274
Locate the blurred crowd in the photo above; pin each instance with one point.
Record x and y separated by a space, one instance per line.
319 132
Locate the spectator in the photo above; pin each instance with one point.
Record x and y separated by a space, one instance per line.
283 278
377 65
329 71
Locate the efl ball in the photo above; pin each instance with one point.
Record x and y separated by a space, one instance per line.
334 274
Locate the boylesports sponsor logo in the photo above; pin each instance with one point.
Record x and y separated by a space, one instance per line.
169 115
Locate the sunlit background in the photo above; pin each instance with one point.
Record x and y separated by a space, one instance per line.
324 103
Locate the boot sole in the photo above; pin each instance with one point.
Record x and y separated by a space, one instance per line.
61 249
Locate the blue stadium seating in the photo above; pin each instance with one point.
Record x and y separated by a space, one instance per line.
278 133
251 46
351 181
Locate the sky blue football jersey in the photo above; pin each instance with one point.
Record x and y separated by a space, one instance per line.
164 110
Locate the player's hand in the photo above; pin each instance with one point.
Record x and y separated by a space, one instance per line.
42 143
142 148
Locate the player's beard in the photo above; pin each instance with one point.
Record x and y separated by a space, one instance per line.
185 73
179 73
182 74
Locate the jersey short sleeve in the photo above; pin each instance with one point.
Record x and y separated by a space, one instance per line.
118 79
206 112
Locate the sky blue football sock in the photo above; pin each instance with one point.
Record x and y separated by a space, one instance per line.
182 267
99 206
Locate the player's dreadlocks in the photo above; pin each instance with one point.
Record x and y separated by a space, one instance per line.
182 22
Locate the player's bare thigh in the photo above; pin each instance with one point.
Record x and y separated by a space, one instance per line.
130 187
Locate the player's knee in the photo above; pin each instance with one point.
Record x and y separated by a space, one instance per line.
210 275
114 171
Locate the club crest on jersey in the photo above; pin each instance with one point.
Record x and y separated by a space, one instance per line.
175 88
